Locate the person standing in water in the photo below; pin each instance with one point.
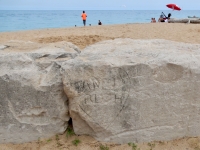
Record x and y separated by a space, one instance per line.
84 16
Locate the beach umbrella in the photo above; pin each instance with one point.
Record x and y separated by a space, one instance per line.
173 6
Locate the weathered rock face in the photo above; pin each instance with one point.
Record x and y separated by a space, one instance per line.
121 91
135 90
32 101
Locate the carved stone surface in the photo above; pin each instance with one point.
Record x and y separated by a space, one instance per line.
32 101
120 90
127 90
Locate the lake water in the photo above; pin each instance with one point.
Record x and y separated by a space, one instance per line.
15 20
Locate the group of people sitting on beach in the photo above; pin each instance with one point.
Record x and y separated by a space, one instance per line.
162 18
153 20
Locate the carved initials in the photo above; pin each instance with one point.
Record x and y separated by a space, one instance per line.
91 99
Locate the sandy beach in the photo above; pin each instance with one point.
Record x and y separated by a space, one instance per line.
61 142
86 36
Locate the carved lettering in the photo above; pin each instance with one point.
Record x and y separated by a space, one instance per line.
96 85
91 99
119 99
82 86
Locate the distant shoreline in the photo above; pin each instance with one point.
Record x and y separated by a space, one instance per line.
20 20
42 29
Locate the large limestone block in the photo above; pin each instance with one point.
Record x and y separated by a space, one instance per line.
128 90
32 101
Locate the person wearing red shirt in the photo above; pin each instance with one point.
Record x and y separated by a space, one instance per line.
84 16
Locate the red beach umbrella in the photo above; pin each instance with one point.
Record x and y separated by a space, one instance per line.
173 6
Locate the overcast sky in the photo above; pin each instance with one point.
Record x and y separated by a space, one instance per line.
96 4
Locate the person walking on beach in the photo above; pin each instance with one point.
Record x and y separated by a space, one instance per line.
84 16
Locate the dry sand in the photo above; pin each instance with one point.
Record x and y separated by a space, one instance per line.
62 142
85 36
